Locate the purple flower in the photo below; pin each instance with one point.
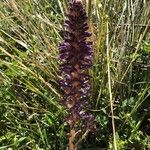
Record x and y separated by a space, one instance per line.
76 55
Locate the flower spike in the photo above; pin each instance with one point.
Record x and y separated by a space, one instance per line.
76 55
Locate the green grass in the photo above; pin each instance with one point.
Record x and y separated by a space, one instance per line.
30 113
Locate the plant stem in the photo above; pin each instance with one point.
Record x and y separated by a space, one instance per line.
110 91
72 135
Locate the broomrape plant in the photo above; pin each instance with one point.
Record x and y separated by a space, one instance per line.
76 55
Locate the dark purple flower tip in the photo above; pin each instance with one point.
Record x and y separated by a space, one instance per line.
64 56
84 26
87 34
66 68
65 46
71 18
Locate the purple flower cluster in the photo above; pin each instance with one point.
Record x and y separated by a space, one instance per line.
76 55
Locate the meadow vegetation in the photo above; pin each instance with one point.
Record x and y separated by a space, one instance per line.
31 117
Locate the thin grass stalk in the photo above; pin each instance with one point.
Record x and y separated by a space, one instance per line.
110 90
